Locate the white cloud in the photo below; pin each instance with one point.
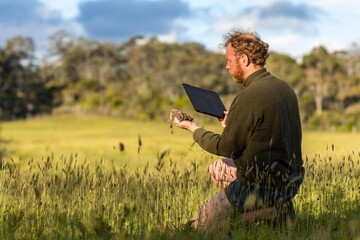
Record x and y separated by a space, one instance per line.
45 14
38 32
68 9
169 38
293 44
337 3
292 26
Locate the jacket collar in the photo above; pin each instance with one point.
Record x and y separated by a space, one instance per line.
255 75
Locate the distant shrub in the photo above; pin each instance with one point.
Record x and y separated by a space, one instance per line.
334 121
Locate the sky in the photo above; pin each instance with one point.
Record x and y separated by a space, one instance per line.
292 27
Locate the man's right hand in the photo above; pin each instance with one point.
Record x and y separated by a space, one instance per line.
223 120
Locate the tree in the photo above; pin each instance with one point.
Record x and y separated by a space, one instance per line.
16 67
349 92
323 72
141 78
22 92
156 71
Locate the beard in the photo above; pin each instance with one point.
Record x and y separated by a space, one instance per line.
239 75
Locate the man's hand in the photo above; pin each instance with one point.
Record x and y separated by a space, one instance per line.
223 120
185 124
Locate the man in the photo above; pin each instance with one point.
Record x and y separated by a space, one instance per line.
261 139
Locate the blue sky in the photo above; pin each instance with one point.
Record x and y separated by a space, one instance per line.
292 27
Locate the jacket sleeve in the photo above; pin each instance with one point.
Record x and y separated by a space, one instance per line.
235 136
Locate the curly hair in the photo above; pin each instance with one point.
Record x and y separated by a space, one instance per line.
248 43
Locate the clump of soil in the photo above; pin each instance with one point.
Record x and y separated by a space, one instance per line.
181 116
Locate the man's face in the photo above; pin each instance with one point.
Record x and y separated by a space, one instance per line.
233 65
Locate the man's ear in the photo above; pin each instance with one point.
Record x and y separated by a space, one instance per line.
245 60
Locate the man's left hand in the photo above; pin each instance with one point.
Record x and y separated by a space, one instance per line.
185 124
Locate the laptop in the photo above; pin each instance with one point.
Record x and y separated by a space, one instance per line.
205 101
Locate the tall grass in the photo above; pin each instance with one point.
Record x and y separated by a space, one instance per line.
70 199
125 183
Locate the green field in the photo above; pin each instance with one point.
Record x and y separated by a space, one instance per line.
96 137
70 180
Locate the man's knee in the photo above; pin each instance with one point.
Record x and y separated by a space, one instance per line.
215 167
222 165
214 213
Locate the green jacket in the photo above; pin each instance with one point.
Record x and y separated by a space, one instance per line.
262 134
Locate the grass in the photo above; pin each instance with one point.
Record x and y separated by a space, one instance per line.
69 180
97 137
317 142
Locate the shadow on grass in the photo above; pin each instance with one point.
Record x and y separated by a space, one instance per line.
344 225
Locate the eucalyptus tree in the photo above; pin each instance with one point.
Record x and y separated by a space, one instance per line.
350 88
85 67
79 58
157 69
324 73
19 85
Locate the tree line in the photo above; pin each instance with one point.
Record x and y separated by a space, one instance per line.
141 79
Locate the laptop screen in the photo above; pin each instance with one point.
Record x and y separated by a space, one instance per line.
205 101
